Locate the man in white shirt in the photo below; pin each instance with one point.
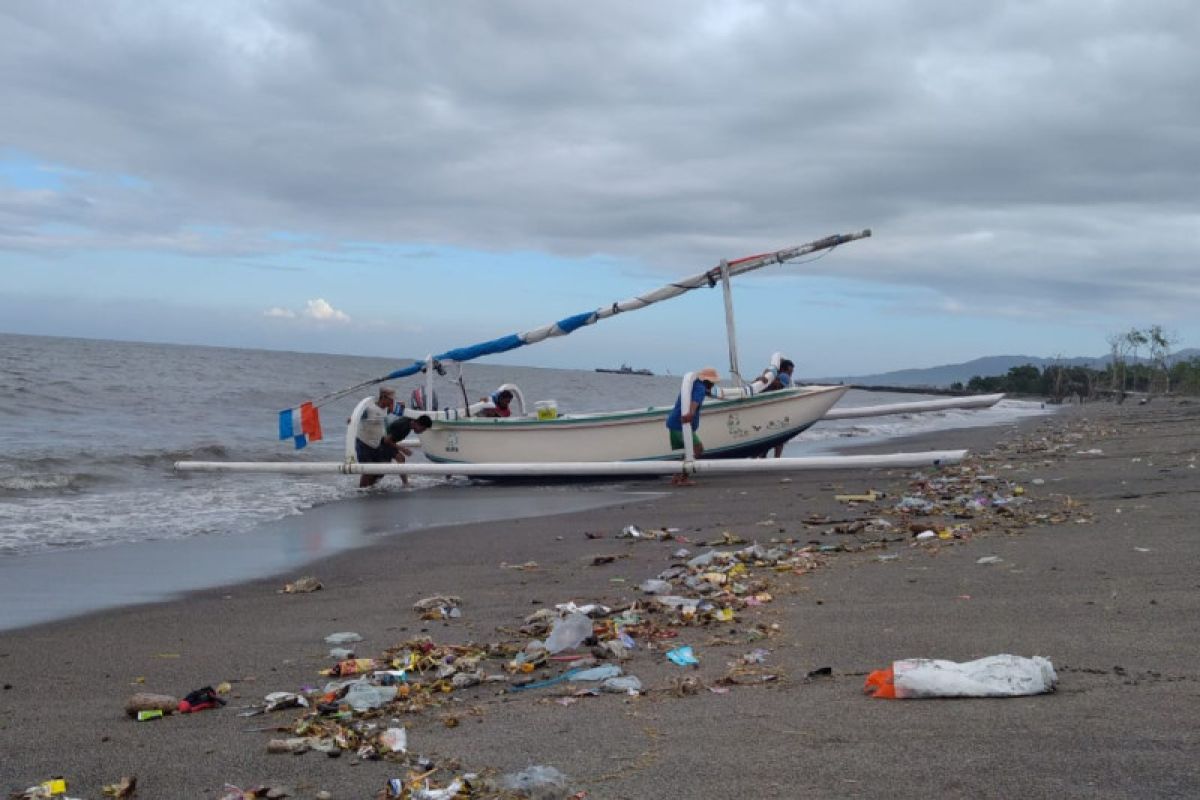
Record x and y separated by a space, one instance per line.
369 445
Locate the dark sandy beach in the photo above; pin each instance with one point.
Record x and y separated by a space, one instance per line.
1097 574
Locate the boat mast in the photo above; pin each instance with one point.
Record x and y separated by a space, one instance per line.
730 331
563 327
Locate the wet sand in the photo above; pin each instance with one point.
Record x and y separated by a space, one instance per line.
49 586
1109 594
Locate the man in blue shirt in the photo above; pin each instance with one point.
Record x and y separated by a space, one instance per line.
705 380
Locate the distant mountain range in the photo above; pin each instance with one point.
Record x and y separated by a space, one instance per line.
986 366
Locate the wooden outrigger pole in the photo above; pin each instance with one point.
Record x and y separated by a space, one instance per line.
585 468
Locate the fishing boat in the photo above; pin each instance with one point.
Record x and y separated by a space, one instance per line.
739 421
736 427
624 369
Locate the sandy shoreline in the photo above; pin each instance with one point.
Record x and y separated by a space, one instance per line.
1117 621
45 587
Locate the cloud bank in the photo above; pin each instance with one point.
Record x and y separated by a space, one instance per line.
1038 155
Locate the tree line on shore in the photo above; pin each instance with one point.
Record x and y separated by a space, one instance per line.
1124 373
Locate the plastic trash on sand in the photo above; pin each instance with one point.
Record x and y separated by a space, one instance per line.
535 779
54 787
362 696
303 586
125 788
569 632
395 740
449 793
600 673
995 676
625 684
345 637
683 656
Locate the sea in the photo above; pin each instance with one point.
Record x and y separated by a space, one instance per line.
90 429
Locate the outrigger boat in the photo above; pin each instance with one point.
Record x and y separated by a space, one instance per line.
740 422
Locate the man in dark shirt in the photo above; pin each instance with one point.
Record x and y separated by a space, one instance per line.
398 430
703 384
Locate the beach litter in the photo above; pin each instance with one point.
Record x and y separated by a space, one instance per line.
345 637
683 656
122 789
756 656
989 560
395 740
450 792
995 676
625 684
439 607
564 652
231 792
600 673
866 497
52 787
351 666
536 781
568 632
302 586
276 701
147 703
636 533
528 566
200 700
655 586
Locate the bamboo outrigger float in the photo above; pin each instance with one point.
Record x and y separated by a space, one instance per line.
743 421
585 469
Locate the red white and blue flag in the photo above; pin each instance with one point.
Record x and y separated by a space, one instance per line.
301 424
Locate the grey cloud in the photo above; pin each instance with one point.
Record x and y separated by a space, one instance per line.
1039 149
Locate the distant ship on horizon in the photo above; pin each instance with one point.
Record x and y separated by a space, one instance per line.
624 369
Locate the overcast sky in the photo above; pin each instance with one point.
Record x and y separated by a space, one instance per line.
398 178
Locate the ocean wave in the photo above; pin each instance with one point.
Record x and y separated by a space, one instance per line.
33 483
230 505
98 459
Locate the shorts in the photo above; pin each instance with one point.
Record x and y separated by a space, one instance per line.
677 439
380 454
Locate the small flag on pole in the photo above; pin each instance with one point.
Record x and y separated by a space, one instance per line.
302 424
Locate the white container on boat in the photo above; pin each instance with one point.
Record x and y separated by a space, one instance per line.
546 409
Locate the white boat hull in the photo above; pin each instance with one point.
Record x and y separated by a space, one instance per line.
737 428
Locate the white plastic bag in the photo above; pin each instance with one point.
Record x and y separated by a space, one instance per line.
569 632
995 676
362 696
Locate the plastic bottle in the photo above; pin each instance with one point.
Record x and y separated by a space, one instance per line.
995 676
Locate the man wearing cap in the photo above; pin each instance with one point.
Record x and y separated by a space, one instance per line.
701 386
369 444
